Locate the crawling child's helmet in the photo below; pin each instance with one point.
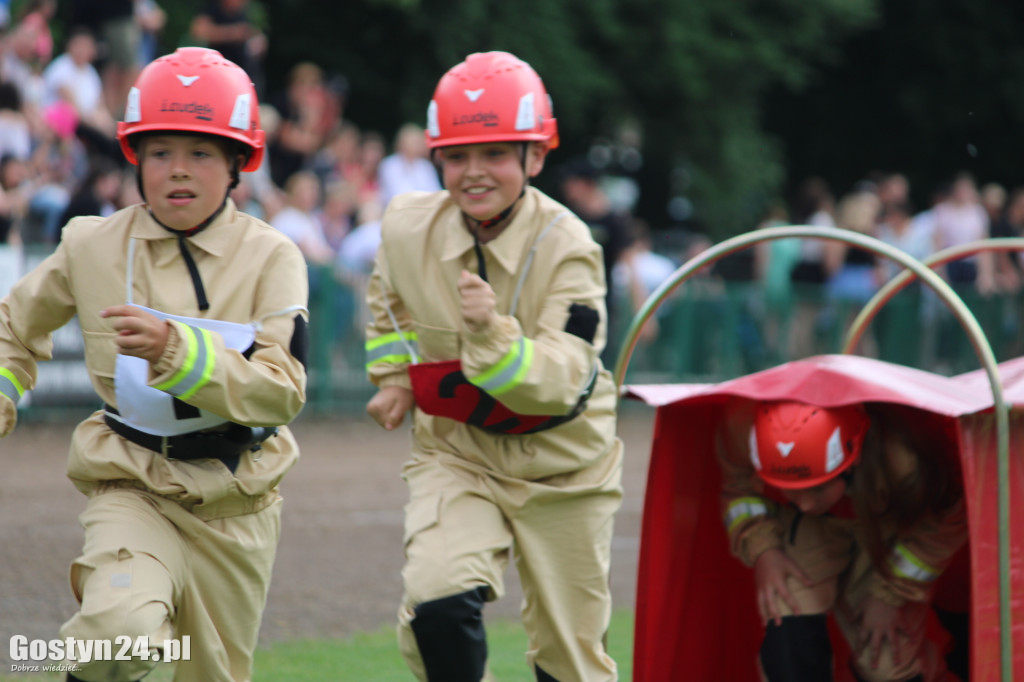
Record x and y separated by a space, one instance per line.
794 445
194 90
490 97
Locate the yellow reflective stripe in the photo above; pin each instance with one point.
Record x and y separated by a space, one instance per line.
10 386
197 369
207 367
906 565
509 371
743 509
390 338
394 358
190 360
394 347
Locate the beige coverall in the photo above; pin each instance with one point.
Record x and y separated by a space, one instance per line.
172 548
476 496
831 551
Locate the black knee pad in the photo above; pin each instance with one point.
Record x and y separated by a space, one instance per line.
799 650
450 635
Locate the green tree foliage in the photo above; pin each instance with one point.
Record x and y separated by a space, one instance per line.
691 72
934 89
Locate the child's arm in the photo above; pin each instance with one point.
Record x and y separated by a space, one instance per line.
388 351
37 305
545 374
748 515
264 385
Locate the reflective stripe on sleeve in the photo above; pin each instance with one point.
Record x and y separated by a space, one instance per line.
906 565
10 386
396 347
510 370
743 509
198 367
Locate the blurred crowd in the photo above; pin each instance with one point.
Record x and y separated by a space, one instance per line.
325 181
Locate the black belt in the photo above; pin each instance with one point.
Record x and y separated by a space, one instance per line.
227 445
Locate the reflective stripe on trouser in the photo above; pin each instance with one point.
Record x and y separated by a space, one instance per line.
148 562
460 525
826 548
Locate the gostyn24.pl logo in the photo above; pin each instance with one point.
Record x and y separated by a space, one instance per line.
122 648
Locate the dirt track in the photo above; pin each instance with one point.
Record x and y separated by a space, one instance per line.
338 564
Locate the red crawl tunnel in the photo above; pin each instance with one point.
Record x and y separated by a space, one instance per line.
695 607
696 615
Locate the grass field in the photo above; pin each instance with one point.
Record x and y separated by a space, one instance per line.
374 657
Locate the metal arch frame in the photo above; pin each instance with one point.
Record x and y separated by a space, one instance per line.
912 267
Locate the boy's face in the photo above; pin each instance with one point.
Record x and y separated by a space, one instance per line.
185 177
485 179
819 499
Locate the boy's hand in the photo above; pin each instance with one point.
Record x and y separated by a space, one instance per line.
139 334
8 415
879 621
389 405
479 304
771 569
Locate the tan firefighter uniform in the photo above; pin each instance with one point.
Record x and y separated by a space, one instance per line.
830 549
172 547
477 496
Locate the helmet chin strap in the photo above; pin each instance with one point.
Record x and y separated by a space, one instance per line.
182 235
190 263
495 220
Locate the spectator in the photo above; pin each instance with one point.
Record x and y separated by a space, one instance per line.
297 219
59 162
814 205
774 261
15 132
118 35
893 188
639 272
993 198
98 192
1011 224
36 18
407 169
72 78
340 157
234 28
151 19
14 183
582 193
371 154
854 274
959 219
305 122
359 248
21 66
335 215
899 228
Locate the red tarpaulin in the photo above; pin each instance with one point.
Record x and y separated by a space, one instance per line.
696 617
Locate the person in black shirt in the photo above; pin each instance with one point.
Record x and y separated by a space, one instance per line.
579 182
231 28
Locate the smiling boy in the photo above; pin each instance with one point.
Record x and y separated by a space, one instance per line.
488 322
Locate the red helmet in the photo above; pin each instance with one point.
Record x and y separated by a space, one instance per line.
794 445
194 90
490 97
